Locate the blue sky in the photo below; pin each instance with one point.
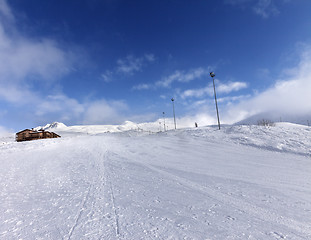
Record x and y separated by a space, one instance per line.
107 61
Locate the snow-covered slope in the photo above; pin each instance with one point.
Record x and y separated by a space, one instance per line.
303 119
152 127
51 126
283 137
97 129
242 182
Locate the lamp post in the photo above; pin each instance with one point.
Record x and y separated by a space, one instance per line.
212 74
174 112
164 121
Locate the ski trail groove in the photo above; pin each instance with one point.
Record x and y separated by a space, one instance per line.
112 198
240 204
115 211
79 213
257 211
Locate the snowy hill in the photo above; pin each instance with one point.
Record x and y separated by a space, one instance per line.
282 137
62 129
303 119
51 126
119 182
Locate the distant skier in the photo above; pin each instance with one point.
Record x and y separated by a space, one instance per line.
196 125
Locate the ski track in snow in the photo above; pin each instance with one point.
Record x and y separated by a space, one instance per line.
79 213
239 204
187 184
113 202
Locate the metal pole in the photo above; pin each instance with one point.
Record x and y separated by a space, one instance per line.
164 121
174 112
213 75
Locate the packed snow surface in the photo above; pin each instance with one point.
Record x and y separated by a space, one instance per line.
240 182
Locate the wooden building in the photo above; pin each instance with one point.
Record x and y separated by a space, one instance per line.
28 134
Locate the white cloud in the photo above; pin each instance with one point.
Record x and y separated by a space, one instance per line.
150 57
29 67
230 99
237 2
4 132
60 105
17 95
202 119
231 87
182 76
263 73
25 61
105 112
177 76
199 103
263 8
130 64
198 93
5 11
208 90
142 86
63 108
289 95
107 76
141 118
40 60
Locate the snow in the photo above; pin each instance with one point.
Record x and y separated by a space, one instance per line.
128 182
50 126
